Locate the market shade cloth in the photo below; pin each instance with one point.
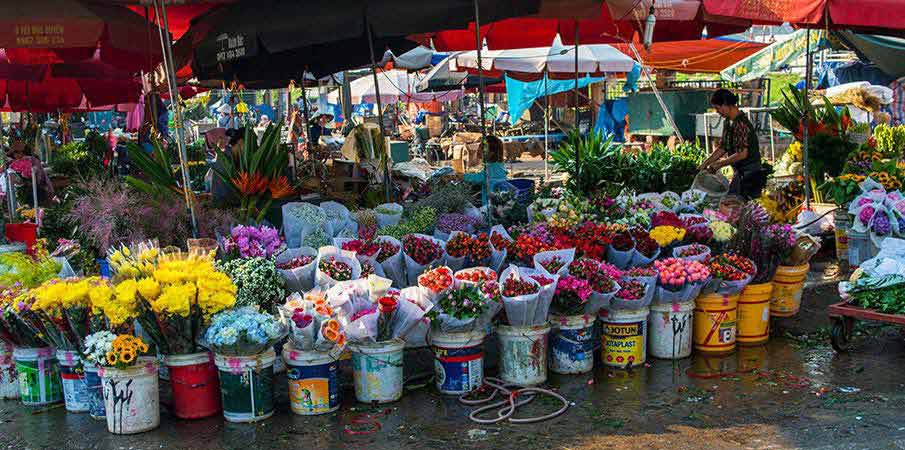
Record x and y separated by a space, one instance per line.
395 86
700 56
273 39
886 52
611 22
55 31
774 57
179 17
554 59
417 58
522 94
65 94
885 15
440 78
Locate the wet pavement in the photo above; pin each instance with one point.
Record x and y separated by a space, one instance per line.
794 393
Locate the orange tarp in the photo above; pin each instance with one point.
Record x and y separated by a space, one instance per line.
701 56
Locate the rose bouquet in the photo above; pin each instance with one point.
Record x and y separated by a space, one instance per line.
632 295
622 250
645 275
436 281
692 252
521 296
474 276
391 259
464 250
257 280
601 277
555 262
646 249
335 266
361 247
666 218
571 296
592 240
730 272
680 280
252 242
421 251
297 267
700 234
106 349
243 332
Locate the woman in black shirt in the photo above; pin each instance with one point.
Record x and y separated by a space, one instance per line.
739 148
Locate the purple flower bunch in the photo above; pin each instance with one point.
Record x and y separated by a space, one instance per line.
866 214
253 242
781 235
448 223
880 225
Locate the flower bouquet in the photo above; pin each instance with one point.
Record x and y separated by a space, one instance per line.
474 276
693 200
666 218
252 242
693 220
297 266
334 266
646 249
670 201
692 252
645 275
464 250
391 259
257 280
436 282
632 295
699 234
313 325
421 251
601 277
105 349
61 311
554 262
731 273
388 214
571 296
459 310
243 332
133 261
667 235
364 250
520 295
680 280
302 219
338 217
547 285
621 250
391 316
447 224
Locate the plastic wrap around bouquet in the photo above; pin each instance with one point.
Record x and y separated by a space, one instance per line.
313 324
473 276
364 250
692 252
436 282
679 281
301 219
498 257
554 262
421 251
645 275
465 250
729 273
670 201
599 276
621 258
392 316
521 297
466 309
338 216
873 213
388 214
335 265
297 266
547 283
631 296
693 200
391 259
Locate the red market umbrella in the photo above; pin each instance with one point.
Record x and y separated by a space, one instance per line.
862 15
55 31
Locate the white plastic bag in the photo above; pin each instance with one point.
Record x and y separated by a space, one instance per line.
566 256
413 269
454 263
337 215
294 227
388 219
520 310
300 279
321 278
393 265
545 296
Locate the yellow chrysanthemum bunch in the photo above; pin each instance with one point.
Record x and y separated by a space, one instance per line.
119 304
126 349
665 234
55 294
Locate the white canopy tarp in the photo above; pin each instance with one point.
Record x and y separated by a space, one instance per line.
557 59
395 86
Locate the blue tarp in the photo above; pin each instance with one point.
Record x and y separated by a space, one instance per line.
835 73
522 94
611 118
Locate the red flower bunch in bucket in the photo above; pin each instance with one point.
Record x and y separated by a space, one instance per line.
552 264
640 272
526 246
514 287
500 242
387 249
295 263
336 269
476 275
422 250
591 240
731 267
666 218
623 242
361 247
699 234
458 246
631 290
386 306
542 280
571 295
436 280
645 245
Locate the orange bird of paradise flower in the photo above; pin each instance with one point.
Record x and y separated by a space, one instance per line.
280 188
250 184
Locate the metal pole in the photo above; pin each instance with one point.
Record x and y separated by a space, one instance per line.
383 145
806 119
34 194
546 127
484 143
167 49
575 99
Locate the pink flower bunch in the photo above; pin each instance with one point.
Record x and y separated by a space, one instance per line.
640 272
866 213
336 269
570 295
361 247
253 242
542 280
675 272
631 290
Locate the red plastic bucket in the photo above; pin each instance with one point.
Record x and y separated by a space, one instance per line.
196 385
22 232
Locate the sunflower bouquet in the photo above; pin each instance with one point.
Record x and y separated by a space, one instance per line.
106 349
173 303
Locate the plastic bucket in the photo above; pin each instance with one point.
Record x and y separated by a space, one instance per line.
22 232
39 376
131 397
9 381
195 383
246 386
75 393
377 371
524 188
314 386
788 284
754 314
572 344
715 323
523 354
95 390
860 248
843 222
670 330
458 361
624 337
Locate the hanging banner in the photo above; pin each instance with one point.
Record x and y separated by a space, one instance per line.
773 57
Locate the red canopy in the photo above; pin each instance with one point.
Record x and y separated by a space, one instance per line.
179 17
866 15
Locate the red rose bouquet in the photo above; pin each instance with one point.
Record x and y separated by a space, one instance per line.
436 280
421 249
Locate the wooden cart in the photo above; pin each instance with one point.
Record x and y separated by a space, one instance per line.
844 315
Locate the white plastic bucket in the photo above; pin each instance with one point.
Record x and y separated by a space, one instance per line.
458 361
246 386
671 330
75 392
131 397
39 376
572 344
377 371
9 381
523 354
314 386
94 387
624 337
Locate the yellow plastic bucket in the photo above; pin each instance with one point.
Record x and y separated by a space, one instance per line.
754 314
715 322
787 286
751 358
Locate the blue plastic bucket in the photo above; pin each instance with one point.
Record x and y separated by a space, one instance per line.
458 361
95 392
524 187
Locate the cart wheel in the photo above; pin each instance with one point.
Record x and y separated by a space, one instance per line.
840 335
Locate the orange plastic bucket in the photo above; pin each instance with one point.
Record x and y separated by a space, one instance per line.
715 323
788 284
754 314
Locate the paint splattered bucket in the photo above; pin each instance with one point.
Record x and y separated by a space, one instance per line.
131 397
458 361
75 394
624 337
95 390
313 376
377 371
715 323
788 284
523 354
39 376
9 381
843 222
670 330
572 344
246 386
754 314
195 383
